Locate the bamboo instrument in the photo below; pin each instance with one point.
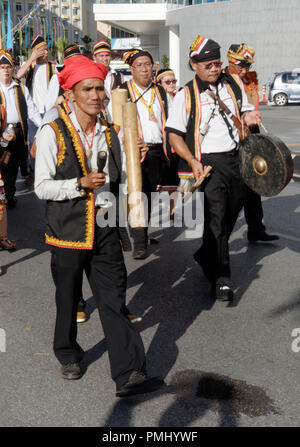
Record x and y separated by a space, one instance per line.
136 216
119 97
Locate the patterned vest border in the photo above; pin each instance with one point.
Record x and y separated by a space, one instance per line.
71 223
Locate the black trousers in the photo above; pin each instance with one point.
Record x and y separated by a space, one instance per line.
18 159
107 277
253 207
153 169
81 303
253 211
224 192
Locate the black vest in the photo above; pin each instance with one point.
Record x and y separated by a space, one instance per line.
71 223
191 136
21 106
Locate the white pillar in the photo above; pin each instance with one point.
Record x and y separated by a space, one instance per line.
174 50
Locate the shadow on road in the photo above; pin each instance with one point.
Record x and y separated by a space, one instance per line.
26 225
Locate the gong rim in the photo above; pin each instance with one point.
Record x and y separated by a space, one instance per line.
266 164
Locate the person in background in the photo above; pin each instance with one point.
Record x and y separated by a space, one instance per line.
240 58
102 55
152 111
19 108
166 78
37 72
54 89
5 243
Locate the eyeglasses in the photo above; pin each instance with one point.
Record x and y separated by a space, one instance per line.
243 67
211 65
147 65
171 82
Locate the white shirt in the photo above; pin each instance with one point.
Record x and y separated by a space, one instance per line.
39 86
12 115
217 138
108 84
109 80
52 93
151 131
46 187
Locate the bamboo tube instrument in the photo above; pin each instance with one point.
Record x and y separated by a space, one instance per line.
119 97
136 216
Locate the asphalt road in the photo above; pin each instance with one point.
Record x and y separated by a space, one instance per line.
224 365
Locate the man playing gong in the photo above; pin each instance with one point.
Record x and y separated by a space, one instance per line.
199 106
240 58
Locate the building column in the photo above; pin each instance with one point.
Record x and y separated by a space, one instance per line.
174 50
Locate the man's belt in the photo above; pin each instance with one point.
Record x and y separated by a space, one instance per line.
15 125
153 146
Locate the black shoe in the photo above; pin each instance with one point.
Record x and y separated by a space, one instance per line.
262 236
139 383
140 253
223 292
134 319
11 203
71 371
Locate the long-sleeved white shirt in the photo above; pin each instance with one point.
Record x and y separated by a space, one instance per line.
12 115
47 187
52 92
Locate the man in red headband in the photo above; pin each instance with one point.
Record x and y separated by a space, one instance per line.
68 178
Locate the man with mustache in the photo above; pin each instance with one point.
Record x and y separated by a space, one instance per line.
203 129
240 58
67 177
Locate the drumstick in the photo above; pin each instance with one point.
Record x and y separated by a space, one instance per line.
201 178
198 183
264 128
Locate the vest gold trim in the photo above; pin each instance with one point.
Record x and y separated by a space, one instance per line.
90 206
61 144
88 243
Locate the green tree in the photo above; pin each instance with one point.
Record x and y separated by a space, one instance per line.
60 46
165 61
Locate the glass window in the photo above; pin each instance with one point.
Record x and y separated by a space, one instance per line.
291 78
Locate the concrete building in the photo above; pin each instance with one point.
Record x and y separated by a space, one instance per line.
75 18
169 27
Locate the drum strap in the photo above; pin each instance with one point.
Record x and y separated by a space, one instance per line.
224 110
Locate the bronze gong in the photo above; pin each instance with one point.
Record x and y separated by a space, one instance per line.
266 164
